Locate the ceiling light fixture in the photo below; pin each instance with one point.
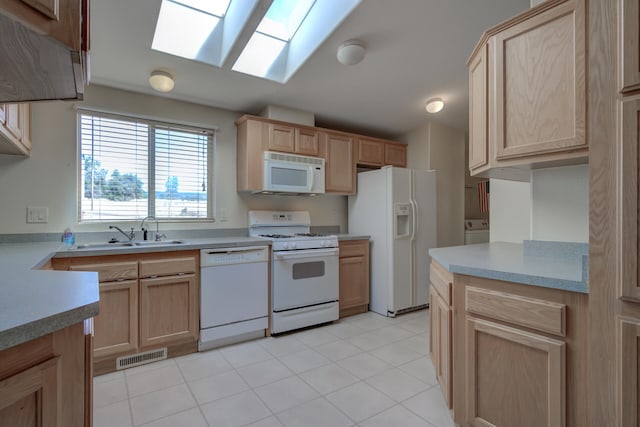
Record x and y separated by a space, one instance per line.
434 105
351 52
161 81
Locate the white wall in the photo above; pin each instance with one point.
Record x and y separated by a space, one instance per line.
509 211
560 204
437 147
49 177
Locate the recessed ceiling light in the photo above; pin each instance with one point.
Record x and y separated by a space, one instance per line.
161 81
434 105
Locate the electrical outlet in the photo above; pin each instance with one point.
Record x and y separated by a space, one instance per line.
37 215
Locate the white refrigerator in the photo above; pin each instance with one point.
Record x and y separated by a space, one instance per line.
397 208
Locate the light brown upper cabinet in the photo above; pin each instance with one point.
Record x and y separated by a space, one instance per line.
292 139
527 82
478 97
342 151
395 154
59 19
340 170
630 44
15 129
378 153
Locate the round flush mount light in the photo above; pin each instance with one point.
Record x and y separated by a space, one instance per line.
161 81
434 105
351 52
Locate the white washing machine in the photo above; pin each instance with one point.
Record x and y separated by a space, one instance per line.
476 231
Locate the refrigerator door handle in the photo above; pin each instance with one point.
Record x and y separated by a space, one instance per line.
414 219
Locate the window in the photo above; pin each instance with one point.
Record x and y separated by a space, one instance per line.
133 168
209 31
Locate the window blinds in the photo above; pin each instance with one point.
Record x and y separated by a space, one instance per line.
132 168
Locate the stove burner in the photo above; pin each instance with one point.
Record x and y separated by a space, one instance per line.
310 234
276 236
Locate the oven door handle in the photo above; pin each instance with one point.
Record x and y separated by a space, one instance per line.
311 253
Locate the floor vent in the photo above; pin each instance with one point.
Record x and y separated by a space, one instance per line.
141 358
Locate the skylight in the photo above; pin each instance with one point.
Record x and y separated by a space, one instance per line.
208 31
284 18
184 26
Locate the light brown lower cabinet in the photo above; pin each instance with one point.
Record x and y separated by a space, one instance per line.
166 310
354 277
43 381
519 355
116 327
440 327
147 301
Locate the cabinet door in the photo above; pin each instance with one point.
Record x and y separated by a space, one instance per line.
443 369
395 155
59 19
514 378
540 85
47 7
354 274
306 142
31 397
478 96
168 310
434 330
116 326
630 43
281 138
340 170
370 153
630 281
629 361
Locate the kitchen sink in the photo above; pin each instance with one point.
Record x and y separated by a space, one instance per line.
159 242
129 244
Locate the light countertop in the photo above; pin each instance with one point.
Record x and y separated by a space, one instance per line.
556 265
36 302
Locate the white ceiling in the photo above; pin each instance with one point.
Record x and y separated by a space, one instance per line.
416 49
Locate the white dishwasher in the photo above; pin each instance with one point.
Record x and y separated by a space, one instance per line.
234 295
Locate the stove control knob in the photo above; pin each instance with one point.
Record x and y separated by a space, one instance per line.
285 245
324 243
293 245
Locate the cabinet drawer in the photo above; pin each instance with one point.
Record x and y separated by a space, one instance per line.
110 271
441 281
167 267
349 249
545 316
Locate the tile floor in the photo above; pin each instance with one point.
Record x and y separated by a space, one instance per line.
365 370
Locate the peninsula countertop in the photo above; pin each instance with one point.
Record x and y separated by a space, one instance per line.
36 302
557 265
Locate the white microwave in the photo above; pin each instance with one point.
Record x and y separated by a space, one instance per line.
290 173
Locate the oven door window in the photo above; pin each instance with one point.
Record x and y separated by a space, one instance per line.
307 270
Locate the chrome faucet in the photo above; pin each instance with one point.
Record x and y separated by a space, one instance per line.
158 236
131 235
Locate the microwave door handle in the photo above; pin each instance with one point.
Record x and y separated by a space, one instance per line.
312 173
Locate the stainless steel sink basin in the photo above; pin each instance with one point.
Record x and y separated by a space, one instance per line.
129 244
104 245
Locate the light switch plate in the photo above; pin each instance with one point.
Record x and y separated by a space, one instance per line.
223 214
37 215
